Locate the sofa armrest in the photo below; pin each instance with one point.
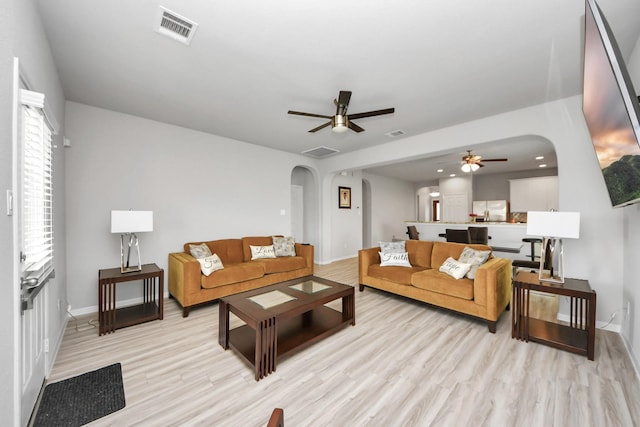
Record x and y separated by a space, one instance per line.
367 257
184 276
492 286
305 251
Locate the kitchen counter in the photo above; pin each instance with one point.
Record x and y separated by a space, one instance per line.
505 237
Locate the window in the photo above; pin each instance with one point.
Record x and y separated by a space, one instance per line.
36 189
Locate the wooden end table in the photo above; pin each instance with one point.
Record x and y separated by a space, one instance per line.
151 308
578 336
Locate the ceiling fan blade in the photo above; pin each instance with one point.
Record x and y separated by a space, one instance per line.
344 97
299 113
494 160
371 113
320 127
355 127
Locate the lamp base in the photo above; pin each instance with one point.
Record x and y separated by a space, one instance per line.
125 267
551 261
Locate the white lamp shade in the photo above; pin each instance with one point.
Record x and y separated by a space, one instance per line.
563 225
131 221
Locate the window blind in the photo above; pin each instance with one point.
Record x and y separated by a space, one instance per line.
37 193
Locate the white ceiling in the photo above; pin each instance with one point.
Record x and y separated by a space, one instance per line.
438 62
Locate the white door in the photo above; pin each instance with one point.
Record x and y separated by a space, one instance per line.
30 125
297 213
454 207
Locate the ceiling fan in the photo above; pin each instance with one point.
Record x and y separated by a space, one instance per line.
342 121
471 162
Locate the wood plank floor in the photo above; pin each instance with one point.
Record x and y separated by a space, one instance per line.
403 364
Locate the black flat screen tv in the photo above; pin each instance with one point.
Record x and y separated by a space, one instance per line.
611 109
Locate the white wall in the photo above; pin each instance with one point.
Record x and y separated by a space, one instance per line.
8 304
393 201
199 186
631 233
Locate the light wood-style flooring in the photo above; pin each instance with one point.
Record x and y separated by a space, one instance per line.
403 364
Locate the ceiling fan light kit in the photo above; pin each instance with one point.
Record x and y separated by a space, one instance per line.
471 163
341 121
470 167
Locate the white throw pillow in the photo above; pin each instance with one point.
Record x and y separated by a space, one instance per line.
475 258
200 251
453 268
210 264
392 247
258 252
394 259
284 246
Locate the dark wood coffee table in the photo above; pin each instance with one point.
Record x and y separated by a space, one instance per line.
283 318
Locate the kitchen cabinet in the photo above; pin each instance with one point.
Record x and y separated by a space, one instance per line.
534 194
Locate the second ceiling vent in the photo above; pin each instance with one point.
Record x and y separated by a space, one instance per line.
175 26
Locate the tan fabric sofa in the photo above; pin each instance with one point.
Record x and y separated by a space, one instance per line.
485 297
190 287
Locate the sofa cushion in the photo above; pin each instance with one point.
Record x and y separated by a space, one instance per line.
261 252
443 250
247 242
399 259
229 250
399 275
420 253
454 268
281 264
210 264
475 258
284 246
435 281
200 251
392 247
233 273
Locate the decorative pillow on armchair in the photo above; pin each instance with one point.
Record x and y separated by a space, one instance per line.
453 268
200 251
258 252
475 258
284 246
394 259
210 264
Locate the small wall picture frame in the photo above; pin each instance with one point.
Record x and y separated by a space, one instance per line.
344 197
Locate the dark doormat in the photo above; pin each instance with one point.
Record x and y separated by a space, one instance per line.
79 400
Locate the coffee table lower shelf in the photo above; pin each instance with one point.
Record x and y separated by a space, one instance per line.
293 334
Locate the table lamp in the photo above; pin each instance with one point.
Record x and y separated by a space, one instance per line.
553 226
128 223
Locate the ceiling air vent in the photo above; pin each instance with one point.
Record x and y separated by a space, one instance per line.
320 152
395 133
175 26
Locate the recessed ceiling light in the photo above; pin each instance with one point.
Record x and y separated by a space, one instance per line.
539 157
440 170
542 166
452 175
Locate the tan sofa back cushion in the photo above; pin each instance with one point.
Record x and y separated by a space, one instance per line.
229 250
443 250
419 252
